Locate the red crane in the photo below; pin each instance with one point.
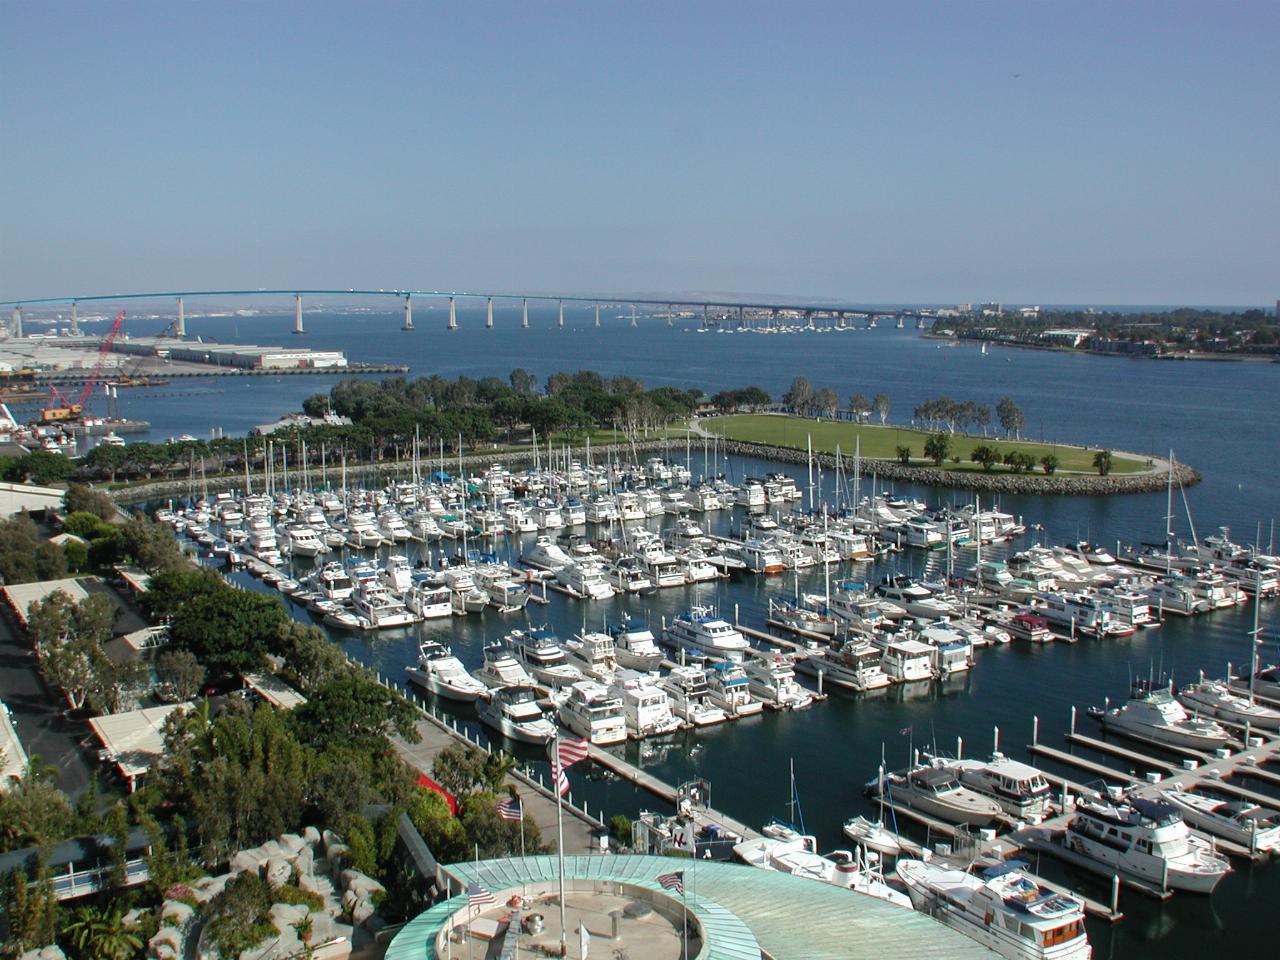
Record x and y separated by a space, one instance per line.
59 409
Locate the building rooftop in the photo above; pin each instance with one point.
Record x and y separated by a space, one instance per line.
133 741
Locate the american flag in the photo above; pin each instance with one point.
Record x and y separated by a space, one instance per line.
558 775
564 755
673 881
478 896
510 809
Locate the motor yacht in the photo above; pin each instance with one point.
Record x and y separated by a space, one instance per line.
1175 595
1215 699
516 714
333 582
787 851
855 665
1240 821
301 541
1027 626
1145 839
937 792
1084 613
545 554
392 527
760 556
628 575
592 712
772 681
730 690
1266 683
397 574
428 602
1153 714
540 651
914 598
439 671
585 579
1005 909
1020 789
701 630
635 646
686 688
379 607
873 836
906 661
594 654
501 669
645 705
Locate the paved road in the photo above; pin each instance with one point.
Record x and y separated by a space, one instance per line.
37 712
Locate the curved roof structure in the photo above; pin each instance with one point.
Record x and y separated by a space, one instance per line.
746 912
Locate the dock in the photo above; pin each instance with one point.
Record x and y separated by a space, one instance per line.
1089 766
1115 750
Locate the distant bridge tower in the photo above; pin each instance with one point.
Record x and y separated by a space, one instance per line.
297 314
597 315
408 313
453 314
524 313
488 320
75 322
180 325
561 314
15 328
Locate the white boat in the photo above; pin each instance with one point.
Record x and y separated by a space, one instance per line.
594 713
1007 910
1020 789
1152 713
937 792
760 556
730 690
594 654
873 836
914 598
701 630
380 608
1081 613
302 541
428 602
1147 840
439 671
855 665
645 705
545 554
1265 684
392 527
628 575
501 669
787 851
516 714
585 578
686 687
772 681
1215 699
397 574
1240 821
540 651
906 661
1175 595
635 646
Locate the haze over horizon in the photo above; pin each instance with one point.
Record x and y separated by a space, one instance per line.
868 153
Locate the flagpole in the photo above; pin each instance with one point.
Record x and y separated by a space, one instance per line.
556 771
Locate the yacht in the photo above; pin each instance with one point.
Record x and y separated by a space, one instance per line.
1027 626
593 713
398 574
428 602
334 582
912 597
937 792
439 671
574 512
873 836
502 669
952 652
752 495
628 575
1144 839
851 604
760 556
1214 698
635 646
594 655
392 527
516 714
701 631
907 661
1176 595
645 706
585 579
787 851
1081 613
1265 684
545 554
730 690
1153 714
1240 821
540 651
686 687
379 607
855 665
772 681
1020 789
302 541
1005 909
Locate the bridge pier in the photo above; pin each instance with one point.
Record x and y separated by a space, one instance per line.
408 313
180 325
75 321
15 328
524 313
488 320
561 315
597 315
297 315
453 314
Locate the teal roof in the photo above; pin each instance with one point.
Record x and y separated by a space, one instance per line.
744 910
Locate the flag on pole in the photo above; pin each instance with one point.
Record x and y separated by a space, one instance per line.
510 809
584 941
571 751
558 775
673 881
478 896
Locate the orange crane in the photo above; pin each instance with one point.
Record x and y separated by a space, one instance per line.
59 408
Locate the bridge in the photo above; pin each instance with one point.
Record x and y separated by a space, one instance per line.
759 310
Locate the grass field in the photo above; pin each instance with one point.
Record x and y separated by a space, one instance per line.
881 443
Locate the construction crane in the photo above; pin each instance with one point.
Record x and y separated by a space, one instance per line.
60 409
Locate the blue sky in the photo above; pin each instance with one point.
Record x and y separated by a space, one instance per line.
874 152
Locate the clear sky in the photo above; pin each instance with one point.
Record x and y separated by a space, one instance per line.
1113 152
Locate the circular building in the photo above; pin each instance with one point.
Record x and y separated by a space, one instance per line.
646 906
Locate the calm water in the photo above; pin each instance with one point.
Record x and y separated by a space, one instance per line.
1217 416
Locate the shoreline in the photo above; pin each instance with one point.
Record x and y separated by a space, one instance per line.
1051 348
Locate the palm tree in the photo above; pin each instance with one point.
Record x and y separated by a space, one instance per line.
99 933
904 455
1050 463
1102 460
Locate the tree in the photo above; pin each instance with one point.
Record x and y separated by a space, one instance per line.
81 498
522 382
40 467
1102 462
463 770
937 447
152 545
313 657
1011 418
903 454
826 401
982 417
986 456
1049 462
24 556
859 406
880 405
180 674
227 629
799 396
356 711
34 812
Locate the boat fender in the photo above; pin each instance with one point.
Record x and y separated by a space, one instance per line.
989 917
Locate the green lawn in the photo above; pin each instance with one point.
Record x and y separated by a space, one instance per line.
881 443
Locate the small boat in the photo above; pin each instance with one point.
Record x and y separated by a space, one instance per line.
439 671
730 690
515 713
873 836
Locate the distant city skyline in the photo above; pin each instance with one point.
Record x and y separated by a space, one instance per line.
864 153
